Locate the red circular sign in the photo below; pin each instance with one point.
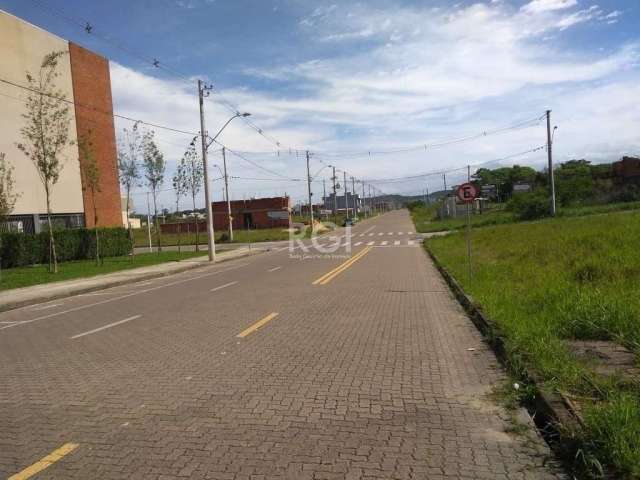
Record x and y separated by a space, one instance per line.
467 192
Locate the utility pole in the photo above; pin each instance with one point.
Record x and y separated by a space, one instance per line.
335 196
444 179
226 194
552 184
309 189
346 202
203 139
428 199
149 222
364 202
370 200
324 197
355 202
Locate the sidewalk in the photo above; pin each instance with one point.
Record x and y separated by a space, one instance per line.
20 297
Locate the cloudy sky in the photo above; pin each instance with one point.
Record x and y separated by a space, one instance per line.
376 88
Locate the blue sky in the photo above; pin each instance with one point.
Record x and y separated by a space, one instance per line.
342 77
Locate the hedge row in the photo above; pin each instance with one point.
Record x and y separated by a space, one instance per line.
19 249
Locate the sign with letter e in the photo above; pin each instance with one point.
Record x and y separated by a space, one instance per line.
467 192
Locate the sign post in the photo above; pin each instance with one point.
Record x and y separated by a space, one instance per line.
467 193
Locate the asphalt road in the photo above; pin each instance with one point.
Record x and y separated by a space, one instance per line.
289 364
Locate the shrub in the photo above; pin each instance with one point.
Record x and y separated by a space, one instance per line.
19 249
529 206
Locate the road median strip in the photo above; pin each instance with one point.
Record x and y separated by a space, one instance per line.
45 462
327 277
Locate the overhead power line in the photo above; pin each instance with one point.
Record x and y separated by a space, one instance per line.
385 181
89 28
437 144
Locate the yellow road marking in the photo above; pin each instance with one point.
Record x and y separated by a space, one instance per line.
45 462
327 277
257 325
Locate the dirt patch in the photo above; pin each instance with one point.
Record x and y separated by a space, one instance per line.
607 358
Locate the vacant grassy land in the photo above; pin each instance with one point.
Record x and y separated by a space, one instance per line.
26 276
141 237
425 219
548 282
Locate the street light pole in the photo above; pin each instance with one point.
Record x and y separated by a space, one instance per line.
335 196
205 146
355 203
226 189
203 139
309 191
552 184
346 202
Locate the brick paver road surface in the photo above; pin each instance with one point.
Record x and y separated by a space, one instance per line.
248 369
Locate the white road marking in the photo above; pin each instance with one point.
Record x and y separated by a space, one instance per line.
108 300
357 243
384 243
397 242
410 242
274 269
223 286
400 233
46 307
361 235
409 233
381 233
389 233
370 243
371 234
96 330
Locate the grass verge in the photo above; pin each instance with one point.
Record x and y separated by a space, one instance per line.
424 217
38 274
546 283
141 237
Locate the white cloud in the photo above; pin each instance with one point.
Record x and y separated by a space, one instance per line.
418 75
537 6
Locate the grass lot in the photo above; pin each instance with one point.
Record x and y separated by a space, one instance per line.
26 276
546 282
425 220
141 237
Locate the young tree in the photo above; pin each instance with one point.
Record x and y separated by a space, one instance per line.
129 153
46 133
154 166
90 172
194 175
180 189
8 196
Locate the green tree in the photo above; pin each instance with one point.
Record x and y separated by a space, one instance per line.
90 171
180 188
154 168
46 133
8 196
194 175
129 157
574 182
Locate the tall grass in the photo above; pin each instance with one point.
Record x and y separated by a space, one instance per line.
568 278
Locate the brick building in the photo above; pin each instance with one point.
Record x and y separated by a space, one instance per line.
84 79
255 213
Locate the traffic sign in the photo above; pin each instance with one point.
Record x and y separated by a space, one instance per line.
467 192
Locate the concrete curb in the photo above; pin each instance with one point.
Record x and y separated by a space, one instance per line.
190 264
554 418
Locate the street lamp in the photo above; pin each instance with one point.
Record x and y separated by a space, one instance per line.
205 147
